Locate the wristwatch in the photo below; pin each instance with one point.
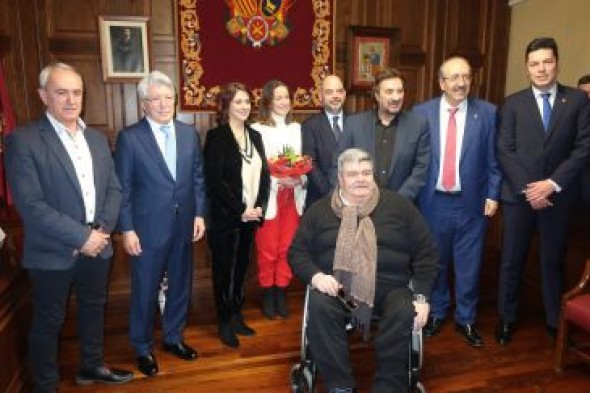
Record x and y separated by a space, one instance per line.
421 299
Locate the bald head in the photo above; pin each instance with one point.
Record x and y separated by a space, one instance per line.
332 94
455 79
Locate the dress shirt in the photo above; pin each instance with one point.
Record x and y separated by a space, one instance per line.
79 153
340 119
460 117
539 99
159 135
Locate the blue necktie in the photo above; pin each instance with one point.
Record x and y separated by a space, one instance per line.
169 150
546 110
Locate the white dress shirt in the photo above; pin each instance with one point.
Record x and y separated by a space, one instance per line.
79 153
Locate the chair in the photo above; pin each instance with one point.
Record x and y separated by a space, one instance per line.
303 375
575 310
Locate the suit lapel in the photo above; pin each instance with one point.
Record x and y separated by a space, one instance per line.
50 137
471 127
558 109
329 130
532 108
95 154
147 138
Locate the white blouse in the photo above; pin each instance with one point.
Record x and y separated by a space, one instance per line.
275 139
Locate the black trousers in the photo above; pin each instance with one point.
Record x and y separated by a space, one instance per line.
231 250
520 221
51 289
328 340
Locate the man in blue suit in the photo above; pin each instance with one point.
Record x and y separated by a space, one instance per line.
398 141
159 163
320 134
543 144
462 190
65 188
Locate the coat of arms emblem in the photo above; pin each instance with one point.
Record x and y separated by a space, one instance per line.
259 22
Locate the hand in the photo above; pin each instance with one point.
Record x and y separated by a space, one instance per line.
250 215
131 243
198 229
541 204
490 208
325 283
538 190
95 243
422 310
290 182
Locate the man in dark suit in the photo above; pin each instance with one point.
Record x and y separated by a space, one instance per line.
66 191
398 141
462 189
543 143
320 134
159 163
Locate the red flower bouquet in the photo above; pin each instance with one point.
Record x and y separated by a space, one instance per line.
289 164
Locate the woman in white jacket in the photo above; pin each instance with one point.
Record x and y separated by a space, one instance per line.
285 202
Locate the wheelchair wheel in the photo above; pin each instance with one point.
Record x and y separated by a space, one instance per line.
303 378
419 388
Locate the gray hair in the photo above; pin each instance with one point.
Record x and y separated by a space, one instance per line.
353 156
441 69
46 72
153 78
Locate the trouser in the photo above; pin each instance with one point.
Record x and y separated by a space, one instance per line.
520 221
273 240
51 289
459 237
230 253
147 270
328 340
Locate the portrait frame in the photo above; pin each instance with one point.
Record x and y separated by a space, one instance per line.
125 48
370 49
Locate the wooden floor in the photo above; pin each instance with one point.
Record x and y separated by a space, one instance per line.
262 363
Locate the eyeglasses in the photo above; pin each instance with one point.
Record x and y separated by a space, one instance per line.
456 77
346 302
161 99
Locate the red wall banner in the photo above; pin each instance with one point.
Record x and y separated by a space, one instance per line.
253 41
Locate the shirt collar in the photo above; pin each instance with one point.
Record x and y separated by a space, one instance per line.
59 127
552 90
156 126
445 106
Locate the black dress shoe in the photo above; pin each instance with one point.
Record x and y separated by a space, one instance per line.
227 335
469 332
432 327
147 365
504 333
110 376
242 329
181 350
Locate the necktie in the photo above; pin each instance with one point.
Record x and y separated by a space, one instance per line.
450 157
169 150
546 110
336 127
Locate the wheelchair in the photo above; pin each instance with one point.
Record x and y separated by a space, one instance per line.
303 375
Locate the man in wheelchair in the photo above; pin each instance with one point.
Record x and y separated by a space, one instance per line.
360 248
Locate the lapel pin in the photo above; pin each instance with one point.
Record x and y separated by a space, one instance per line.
475 116
563 100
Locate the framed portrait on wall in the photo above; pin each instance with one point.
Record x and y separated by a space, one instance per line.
124 48
370 50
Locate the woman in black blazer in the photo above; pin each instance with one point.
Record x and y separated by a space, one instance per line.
238 181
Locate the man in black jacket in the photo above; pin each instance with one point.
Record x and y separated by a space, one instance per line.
320 134
368 243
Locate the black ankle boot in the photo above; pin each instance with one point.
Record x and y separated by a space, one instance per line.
281 302
240 326
268 303
227 335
